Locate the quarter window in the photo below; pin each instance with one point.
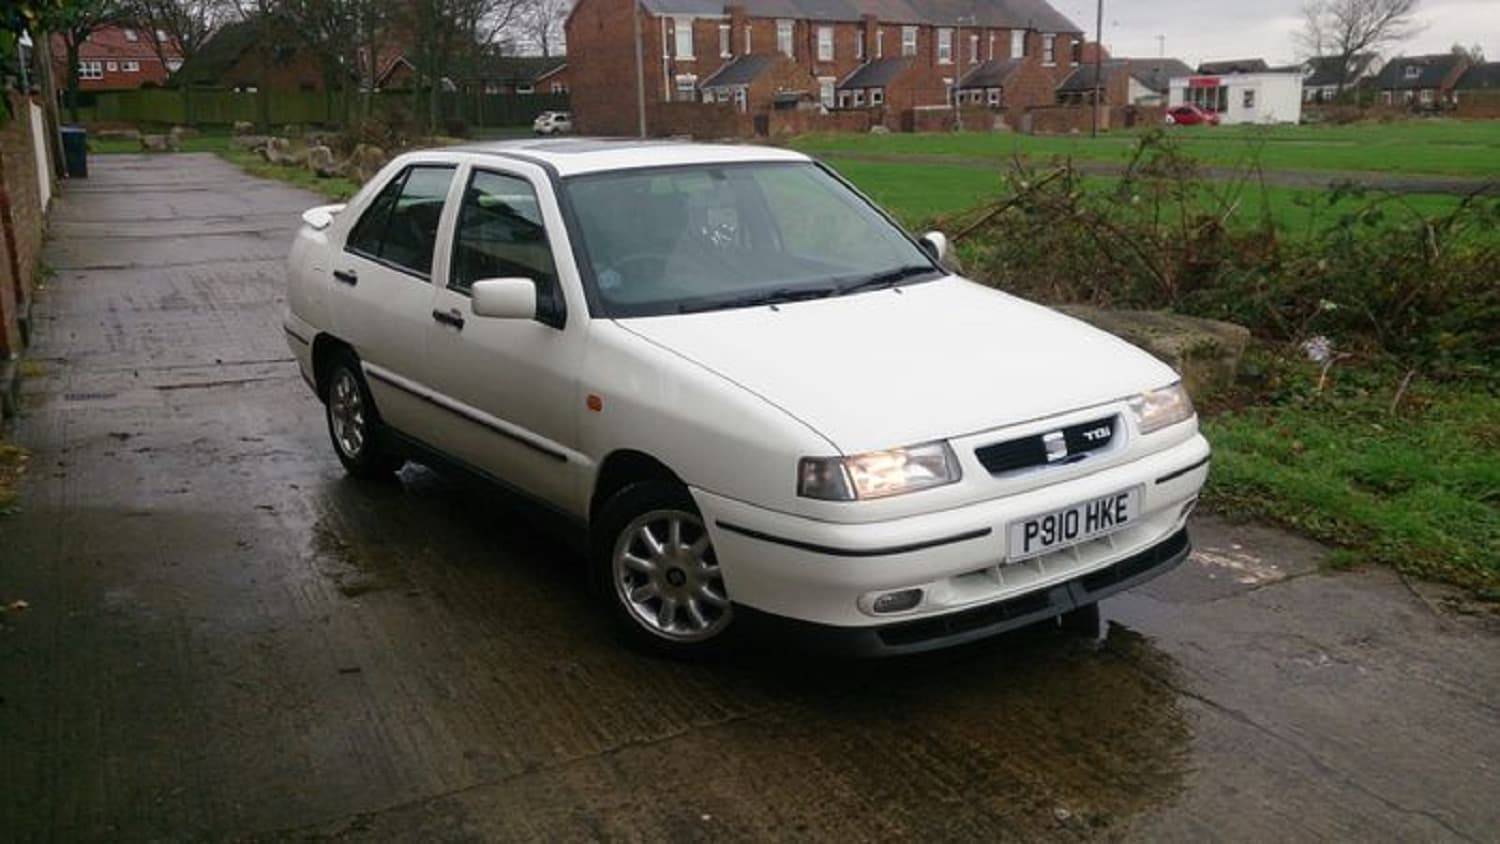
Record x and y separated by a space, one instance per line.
400 226
501 235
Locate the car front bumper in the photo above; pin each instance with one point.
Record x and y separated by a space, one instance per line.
829 574
950 629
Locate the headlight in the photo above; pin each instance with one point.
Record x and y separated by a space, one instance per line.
877 474
1157 409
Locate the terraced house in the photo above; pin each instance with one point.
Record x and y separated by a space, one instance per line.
629 57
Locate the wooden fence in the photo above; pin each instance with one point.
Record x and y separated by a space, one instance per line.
198 107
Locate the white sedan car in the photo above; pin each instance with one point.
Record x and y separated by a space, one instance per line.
767 407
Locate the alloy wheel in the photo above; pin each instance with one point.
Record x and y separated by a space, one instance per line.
666 575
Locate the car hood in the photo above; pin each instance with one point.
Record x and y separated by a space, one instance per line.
928 361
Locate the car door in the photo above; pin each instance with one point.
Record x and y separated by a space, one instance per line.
383 290
512 383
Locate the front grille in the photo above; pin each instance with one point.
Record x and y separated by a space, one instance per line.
1026 452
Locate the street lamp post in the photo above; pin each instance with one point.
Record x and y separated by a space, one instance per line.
1098 63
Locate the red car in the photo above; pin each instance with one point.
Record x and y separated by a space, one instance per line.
1191 115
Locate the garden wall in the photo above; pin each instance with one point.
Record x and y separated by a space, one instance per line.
24 186
171 106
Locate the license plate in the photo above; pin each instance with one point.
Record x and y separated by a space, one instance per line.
1071 525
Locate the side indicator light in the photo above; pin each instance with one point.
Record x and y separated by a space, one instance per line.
594 403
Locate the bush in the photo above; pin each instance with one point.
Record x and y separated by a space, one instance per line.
1382 278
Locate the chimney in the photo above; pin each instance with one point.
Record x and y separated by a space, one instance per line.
737 24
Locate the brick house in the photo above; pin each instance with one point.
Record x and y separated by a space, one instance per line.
1425 82
523 75
118 57
1123 82
903 54
248 56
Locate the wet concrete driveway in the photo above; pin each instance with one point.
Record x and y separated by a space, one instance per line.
228 639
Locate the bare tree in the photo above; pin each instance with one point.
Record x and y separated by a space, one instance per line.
450 38
177 28
1347 29
540 25
1474 54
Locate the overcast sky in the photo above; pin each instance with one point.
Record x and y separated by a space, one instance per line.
1199 30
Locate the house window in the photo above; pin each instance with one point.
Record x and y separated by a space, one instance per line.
131 36
825 90
687 87
747 40
1049 50
111 66
973 49
1412 71
877 96
683 37
992 96
945 46
908 41
879 43
859 97
859 45
1017 43
559 88
161 37
130 67
784 37
1249 99
1427 96
739 98
825 43
1076 53
90 70
725 49
525 88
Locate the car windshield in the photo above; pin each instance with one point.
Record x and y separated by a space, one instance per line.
708 237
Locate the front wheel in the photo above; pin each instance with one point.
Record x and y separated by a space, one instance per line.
353 424
654 565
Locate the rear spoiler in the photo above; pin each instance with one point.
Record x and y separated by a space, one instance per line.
321 217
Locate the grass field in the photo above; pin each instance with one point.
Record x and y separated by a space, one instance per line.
1439 147
919 193
1418 490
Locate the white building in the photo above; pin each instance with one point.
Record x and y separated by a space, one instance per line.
1270 97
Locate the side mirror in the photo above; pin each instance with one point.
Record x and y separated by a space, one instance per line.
936 245
505 298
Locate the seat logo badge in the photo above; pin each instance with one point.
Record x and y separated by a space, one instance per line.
1056 445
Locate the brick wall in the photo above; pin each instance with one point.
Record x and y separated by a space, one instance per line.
1061 120
21 219
704 121
792 122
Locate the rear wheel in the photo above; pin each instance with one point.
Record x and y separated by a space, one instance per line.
654 564
353 424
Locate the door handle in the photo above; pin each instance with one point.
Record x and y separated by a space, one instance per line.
450 317
346 276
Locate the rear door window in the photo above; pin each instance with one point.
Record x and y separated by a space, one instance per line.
399 228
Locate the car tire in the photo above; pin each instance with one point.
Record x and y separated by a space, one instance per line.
354 424
1083 621
661 584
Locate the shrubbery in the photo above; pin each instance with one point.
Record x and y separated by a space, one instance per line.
1380 279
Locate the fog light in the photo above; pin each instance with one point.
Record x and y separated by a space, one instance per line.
897 601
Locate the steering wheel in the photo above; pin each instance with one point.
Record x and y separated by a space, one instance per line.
655 262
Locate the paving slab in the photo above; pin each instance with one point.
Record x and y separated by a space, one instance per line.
228 639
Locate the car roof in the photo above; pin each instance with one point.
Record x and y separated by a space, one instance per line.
573 156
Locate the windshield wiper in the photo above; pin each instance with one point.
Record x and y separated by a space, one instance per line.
889 278
760 297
